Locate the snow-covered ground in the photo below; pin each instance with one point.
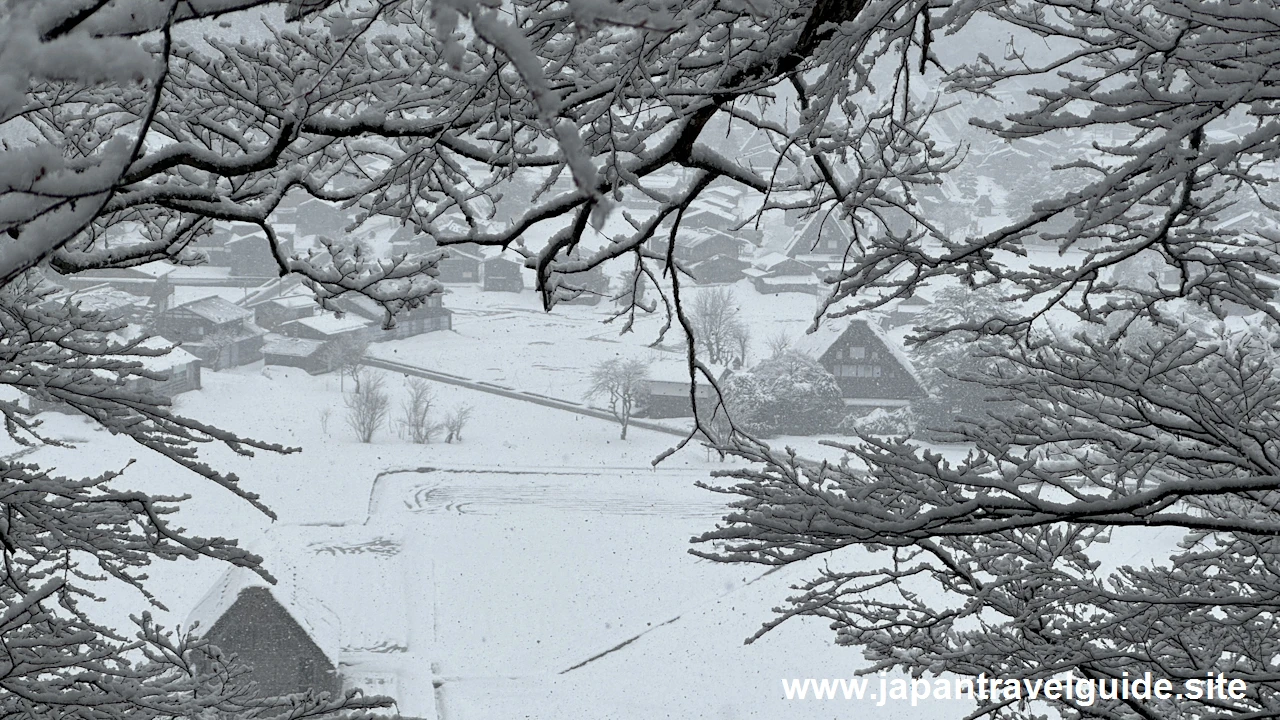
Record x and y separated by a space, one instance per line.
540 566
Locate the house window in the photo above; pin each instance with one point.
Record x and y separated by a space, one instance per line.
859 371
856 353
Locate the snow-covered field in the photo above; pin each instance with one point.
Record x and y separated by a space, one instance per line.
539 567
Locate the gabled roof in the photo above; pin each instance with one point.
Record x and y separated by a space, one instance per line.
818 342
319 622
698 236
289 286
803 236
462 251
216 310
351 589
176 357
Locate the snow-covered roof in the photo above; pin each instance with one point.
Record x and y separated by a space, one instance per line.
319 622
351 589
792 280
176 357
803 236
330 324
293 347
102 298
276 289
674 367
818 342
769 260
217 310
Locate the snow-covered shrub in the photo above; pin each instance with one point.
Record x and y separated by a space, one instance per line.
896 423
789 394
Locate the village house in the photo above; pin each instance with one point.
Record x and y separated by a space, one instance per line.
150 281
502 275
296 352
328 327
220 333
289 639
312 217
719 270
871 370
279 301
773 272
666 392
178 370
175 372
461 264
816 239
250 255
109 301
338 618
906 311
430 316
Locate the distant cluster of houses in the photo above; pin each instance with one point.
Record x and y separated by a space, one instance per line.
278 323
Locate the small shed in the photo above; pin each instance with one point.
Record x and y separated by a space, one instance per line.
295 352
328 327
667 392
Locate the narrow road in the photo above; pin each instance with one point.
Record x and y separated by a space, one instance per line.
512 393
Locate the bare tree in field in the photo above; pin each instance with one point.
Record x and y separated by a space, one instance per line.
368 406
717 323
346 355
778 344
621 383
415 412
455 421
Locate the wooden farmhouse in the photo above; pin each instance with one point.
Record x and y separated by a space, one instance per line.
719 270
907 311
340 617
289 639
250 256
328 327
594 284
220 333
461 264
502 275
870 369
